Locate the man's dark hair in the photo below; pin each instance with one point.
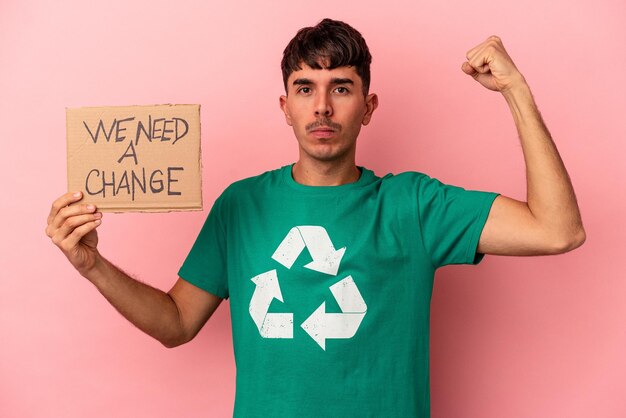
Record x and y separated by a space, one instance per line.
327 45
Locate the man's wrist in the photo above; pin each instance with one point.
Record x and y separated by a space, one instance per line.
518 89
521 103
96 271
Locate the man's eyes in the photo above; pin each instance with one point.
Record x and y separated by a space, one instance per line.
340 90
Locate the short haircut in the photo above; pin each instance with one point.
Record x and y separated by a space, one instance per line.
328 45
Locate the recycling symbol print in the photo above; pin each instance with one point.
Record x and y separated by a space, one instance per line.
326 260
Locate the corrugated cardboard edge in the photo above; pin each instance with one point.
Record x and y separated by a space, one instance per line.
200 155
67 151
144 208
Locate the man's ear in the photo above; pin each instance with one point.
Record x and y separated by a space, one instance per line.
371 103
283 106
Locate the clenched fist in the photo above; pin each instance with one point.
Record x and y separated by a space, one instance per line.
491 66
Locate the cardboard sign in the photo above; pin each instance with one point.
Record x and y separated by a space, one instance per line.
136 158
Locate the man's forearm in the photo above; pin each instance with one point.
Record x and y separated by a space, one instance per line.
550 194
149 309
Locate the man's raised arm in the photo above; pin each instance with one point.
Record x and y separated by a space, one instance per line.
549 222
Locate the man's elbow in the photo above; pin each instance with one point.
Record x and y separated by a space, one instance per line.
173 341
170 343
569 242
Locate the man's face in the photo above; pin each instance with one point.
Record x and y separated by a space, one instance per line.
326 109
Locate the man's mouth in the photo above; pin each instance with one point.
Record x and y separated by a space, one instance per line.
323 132
323 128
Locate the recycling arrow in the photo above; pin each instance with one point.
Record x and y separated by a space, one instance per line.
270 325
325 258
322 326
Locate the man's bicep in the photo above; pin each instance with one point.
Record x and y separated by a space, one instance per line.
195 305
511 229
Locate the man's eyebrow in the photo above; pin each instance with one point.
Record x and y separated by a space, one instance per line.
302 81
337 80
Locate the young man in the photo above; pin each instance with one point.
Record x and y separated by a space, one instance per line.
349 256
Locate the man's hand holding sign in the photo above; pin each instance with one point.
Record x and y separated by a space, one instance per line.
172 318
72 228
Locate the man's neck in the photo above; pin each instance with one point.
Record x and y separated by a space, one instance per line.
325 174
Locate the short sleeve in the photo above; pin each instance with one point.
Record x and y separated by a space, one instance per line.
452 220
205 265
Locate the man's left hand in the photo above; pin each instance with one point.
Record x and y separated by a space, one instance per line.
491 66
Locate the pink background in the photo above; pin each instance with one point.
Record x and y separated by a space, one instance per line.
513 337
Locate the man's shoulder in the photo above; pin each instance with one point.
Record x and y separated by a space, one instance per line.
414 183
405 178
420 182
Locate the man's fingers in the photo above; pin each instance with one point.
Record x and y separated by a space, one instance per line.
66 213
472 53
74 222
62 202
482 55
493 40
78 233
490 65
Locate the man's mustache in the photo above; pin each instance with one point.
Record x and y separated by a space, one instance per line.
325 121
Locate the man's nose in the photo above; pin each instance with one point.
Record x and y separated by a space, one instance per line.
323 106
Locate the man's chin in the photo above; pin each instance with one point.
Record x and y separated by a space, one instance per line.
324 152
326 156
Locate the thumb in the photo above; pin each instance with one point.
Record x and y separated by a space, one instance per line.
474 72
468 69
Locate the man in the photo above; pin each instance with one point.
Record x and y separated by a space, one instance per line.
349 256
